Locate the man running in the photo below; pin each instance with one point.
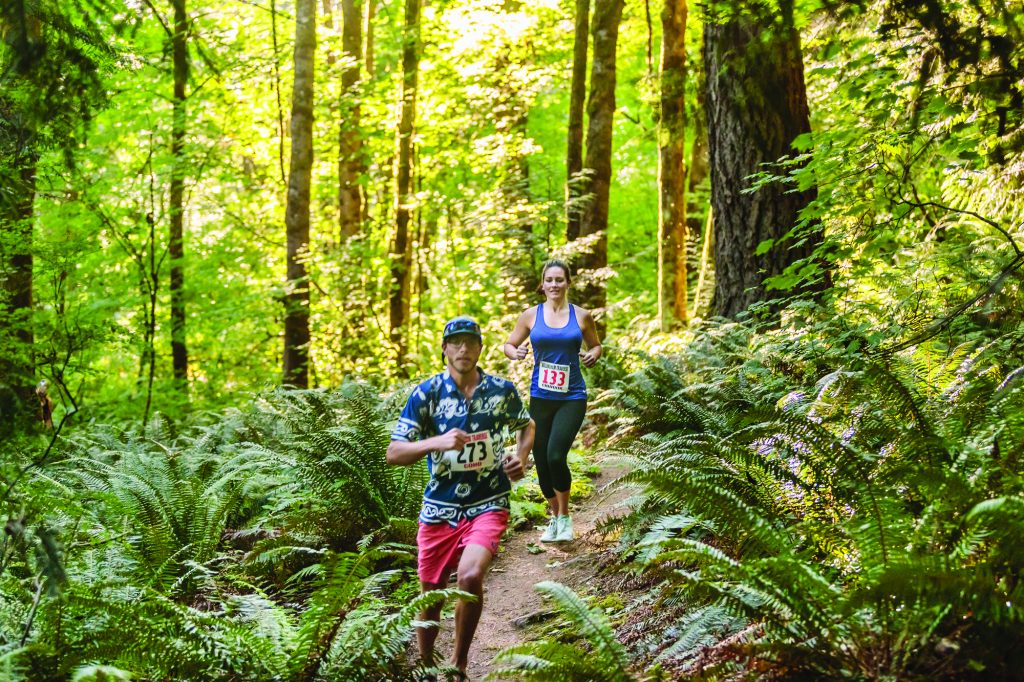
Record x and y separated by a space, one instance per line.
461 418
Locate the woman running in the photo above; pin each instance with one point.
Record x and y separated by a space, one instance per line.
558 393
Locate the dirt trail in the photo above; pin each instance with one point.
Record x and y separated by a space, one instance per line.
509 588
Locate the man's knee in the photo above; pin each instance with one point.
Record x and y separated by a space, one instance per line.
471 579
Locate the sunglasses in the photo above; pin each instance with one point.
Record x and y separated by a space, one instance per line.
461 326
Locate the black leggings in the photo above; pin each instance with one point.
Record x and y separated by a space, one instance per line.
558 422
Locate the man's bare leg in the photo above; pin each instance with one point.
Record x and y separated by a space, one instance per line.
426 636
476 559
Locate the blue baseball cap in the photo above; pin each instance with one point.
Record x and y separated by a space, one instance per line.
461 325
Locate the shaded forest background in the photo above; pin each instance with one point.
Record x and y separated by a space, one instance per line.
800 226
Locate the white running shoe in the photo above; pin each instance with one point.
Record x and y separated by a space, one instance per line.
551 532
565 533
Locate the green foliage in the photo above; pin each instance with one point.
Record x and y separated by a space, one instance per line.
602 658
330 446
192 550
838 496
864 526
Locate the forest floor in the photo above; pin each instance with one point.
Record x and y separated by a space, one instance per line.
510 602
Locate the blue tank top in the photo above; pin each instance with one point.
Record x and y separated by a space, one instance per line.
556 360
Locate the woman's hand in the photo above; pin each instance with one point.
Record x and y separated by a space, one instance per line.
589 359
514 352
518 343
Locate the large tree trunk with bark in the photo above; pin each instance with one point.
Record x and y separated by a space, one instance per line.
176 238
577 98
18 175
296 321
756 106
600 112
401 251
351 164
672 240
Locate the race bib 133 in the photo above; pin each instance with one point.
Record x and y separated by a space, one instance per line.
552 377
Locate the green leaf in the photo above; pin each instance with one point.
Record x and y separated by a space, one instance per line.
764 247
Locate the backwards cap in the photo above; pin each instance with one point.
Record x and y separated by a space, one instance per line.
462 325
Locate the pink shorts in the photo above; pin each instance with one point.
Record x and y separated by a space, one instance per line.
440 545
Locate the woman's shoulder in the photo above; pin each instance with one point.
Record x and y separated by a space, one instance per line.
581 312
529 315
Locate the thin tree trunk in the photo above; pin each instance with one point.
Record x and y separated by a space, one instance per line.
401 253
16 262
574 146
176 238
351 165
296 321
151 288
371 12
531 277
672 167
756 106
277 91
705 263
600 111
696 172
327 9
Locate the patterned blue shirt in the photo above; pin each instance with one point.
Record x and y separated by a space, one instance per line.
463 484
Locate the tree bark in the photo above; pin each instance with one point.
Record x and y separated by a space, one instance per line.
296 321
371 12
600 111
696 211
17 201
672 271
176 237
756 106
574 146
401 252
351 164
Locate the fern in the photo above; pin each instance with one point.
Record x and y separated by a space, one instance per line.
845 529
605 659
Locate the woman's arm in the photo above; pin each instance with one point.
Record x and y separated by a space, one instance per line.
590 338
514 347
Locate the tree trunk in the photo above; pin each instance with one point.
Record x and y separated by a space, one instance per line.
277 91
696 210
176 238
401 253
600 111
351 165
704 267
672 167
327 9
371 12
756 106
574 147
296 321
16 215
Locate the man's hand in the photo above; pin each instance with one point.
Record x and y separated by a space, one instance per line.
451 440
514 468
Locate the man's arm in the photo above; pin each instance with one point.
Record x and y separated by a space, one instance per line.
515 467
404 453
